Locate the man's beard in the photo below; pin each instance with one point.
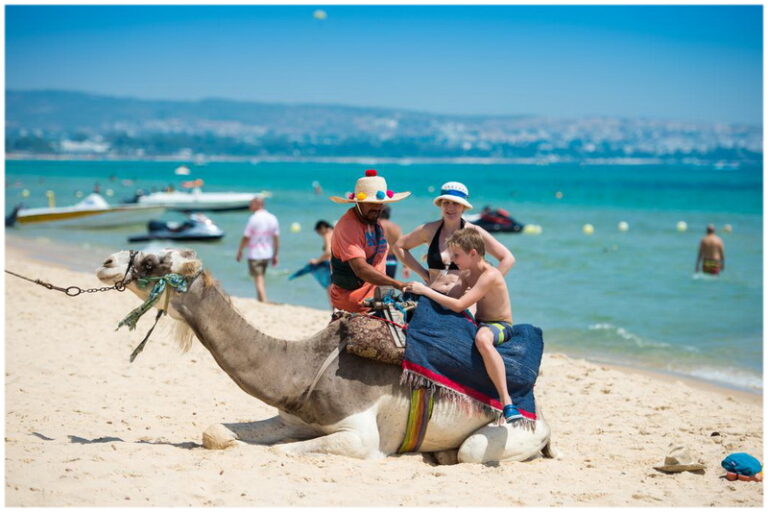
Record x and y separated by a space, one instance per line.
367 217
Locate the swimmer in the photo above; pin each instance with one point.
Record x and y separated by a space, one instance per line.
711 257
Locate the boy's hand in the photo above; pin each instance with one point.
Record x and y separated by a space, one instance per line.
415 287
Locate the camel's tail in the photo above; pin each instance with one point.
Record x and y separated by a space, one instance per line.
549 451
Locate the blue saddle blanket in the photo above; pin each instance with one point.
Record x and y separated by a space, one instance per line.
440 350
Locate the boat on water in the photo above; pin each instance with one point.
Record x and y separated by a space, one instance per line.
92 212
197 228
195 200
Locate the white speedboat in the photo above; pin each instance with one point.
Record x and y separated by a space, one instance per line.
91 212
197 200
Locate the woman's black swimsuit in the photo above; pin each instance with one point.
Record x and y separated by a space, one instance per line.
434 259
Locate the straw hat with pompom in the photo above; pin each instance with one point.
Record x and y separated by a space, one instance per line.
371 188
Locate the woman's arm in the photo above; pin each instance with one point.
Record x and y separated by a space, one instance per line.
497 250
413 239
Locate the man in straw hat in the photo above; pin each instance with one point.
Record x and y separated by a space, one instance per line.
359 246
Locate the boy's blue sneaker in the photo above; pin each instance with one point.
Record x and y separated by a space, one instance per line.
511 413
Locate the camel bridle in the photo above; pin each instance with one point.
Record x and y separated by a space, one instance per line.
74 291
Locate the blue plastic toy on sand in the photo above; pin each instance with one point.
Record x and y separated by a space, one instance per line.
742 464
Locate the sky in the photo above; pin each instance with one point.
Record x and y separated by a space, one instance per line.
692 63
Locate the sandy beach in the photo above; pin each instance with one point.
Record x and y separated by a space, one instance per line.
84 427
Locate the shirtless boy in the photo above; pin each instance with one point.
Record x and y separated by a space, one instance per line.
711 255
483 285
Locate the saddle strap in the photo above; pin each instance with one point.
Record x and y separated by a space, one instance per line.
328 360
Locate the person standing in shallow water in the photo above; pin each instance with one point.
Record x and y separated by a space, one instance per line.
262 237
325 231
711 257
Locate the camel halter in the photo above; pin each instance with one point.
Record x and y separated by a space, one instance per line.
161 283
74 291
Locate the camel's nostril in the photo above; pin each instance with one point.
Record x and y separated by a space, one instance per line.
108 262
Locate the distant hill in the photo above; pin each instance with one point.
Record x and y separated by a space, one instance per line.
67 122
71 111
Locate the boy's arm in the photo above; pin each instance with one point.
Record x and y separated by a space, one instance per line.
476 293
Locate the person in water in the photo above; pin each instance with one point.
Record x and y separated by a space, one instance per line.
325 231
359 246
482 285
711 257
441 274
392 232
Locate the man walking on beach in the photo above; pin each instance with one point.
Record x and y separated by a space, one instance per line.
711 255
262 236
359 244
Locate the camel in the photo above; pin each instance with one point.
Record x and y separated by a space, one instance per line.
357 407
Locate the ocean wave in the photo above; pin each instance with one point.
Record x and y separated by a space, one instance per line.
732 377
626 335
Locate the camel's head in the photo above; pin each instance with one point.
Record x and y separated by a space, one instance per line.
148 264
130 266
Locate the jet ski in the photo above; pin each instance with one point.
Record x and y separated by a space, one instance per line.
197 228
495 221
10 219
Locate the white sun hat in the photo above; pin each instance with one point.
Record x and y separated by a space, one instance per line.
371 188
679 459
453 191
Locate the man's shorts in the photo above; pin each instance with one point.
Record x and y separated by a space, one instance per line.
711 266
257 267
502 331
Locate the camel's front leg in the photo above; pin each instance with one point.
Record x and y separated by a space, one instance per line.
269 431
347 442
357 436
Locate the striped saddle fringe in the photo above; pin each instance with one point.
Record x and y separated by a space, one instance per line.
419 414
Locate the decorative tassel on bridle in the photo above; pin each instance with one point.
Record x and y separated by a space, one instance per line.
161 286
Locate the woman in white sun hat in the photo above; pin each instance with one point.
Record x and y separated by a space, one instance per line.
441 274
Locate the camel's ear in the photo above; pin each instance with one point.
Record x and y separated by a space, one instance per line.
188 254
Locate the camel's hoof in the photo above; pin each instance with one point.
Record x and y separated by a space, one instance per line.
218 437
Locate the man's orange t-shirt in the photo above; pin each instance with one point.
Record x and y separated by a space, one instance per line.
353 238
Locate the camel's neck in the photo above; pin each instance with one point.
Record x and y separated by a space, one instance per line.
261 365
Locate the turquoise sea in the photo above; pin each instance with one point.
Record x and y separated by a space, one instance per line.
618 297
